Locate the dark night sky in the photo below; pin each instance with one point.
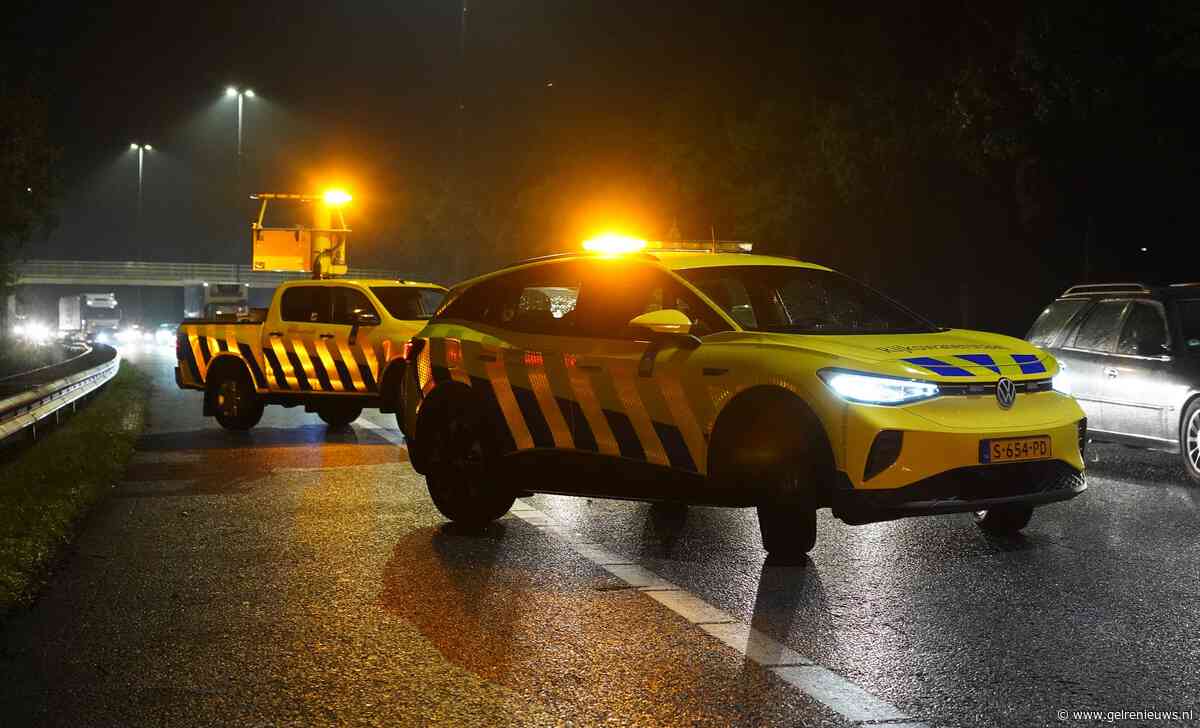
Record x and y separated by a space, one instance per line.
364 94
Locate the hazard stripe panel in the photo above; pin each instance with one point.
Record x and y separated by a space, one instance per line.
507 402
635 410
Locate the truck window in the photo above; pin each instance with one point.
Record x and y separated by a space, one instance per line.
1099 330
409 304
1052 320
306 304
348 303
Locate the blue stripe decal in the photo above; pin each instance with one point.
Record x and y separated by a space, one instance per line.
939 367
1029 364
983 360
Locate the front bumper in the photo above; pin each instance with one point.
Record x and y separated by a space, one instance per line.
960 490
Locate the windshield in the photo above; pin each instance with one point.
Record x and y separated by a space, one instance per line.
409 304
803 301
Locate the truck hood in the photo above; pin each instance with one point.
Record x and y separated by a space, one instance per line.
951 355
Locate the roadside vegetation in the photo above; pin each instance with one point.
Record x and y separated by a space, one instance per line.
17 355
47 489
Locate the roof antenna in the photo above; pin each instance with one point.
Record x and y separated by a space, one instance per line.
713 228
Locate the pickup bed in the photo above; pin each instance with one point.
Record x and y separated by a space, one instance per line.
333 346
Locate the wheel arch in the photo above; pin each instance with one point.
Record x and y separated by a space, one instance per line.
748 446
432 407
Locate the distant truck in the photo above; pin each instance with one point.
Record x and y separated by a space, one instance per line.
92 316
335 346
217 301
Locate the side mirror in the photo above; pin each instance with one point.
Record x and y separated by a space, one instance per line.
366 318
666 321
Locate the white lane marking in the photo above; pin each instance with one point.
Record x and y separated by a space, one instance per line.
690 607
839 693
819 683
388 433
755 645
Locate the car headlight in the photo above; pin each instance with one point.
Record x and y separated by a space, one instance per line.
876 389
1061 381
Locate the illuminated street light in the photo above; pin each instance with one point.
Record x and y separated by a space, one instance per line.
141 150
232 91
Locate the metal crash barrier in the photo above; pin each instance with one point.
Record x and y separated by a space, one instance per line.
39 402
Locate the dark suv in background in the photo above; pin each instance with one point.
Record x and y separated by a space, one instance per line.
1130 353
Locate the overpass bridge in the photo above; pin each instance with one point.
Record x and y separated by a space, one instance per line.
136 273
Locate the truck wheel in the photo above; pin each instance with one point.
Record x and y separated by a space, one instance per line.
459 473
237 406
338 416
1004 520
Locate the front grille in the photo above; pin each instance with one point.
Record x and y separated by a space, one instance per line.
1028 386
980 482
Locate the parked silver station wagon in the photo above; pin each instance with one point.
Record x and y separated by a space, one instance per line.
1130 353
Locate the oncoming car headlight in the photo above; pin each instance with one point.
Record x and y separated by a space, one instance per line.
876 389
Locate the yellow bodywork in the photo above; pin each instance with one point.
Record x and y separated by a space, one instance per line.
540 382
295 357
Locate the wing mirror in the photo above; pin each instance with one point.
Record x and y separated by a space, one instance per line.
668 323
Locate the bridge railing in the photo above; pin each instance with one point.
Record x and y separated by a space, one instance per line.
137 273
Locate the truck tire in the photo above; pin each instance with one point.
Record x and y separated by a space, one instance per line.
338 415
235 403
460 476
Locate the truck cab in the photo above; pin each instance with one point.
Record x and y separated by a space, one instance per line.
333 346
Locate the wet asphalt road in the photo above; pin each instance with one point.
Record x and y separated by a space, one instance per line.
294 575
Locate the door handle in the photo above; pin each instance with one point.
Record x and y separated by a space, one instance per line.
326 336
1111 372
275 333
486 357
588 367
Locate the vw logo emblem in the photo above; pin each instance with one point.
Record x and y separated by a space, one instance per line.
1006 392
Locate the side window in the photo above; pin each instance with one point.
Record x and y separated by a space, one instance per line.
1099 331
305 304
1189 320
1053 319
1145 331
347 303
537 300
470 304
615 292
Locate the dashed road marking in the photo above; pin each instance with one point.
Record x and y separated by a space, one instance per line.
821 684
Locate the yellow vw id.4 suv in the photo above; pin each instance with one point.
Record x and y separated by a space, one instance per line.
704 374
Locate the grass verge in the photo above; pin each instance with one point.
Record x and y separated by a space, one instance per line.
46 490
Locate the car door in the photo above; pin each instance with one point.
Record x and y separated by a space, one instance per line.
1139 381
518 358
1090 348
639 384
352 341
290 339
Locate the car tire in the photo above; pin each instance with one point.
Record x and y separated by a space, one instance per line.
236 405
1004 520
789 532
338 415
1189 441
460 472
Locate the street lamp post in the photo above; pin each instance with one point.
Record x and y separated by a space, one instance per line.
141 150
233 91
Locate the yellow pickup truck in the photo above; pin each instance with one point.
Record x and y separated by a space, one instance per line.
334 346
